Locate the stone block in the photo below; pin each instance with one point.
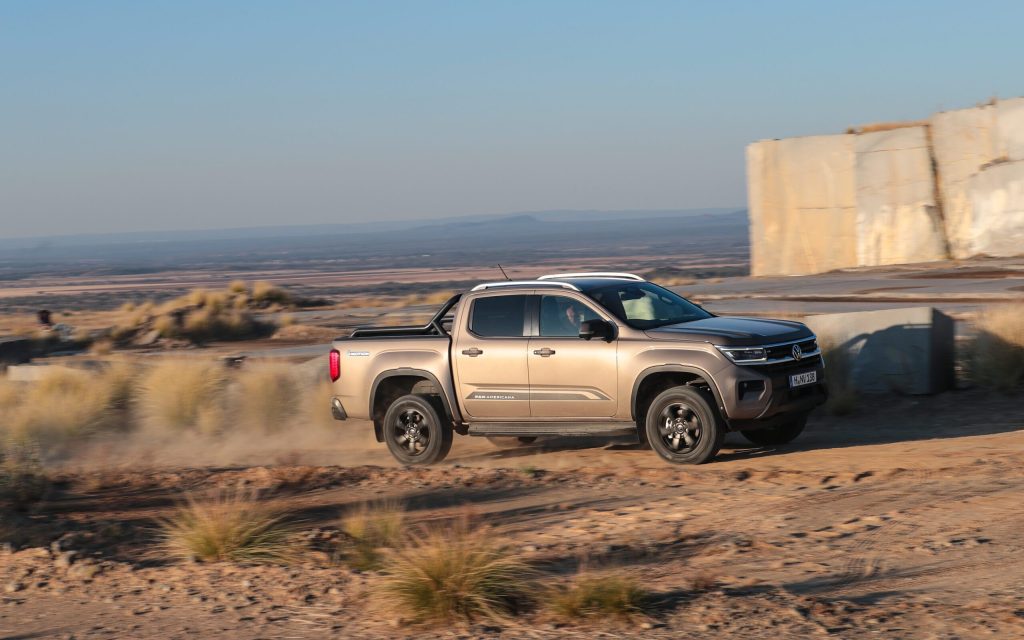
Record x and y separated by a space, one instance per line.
997 201
898 219
894 350
802 205
1010 129
963 141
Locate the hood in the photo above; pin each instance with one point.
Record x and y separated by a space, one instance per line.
738 332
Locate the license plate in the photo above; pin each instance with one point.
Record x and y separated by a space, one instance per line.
800 379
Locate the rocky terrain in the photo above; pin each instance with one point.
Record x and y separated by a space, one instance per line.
902 521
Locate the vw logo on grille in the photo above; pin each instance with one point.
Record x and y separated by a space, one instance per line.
798 353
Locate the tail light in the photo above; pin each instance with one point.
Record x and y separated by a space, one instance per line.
335 365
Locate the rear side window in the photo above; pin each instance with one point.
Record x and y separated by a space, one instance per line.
498 316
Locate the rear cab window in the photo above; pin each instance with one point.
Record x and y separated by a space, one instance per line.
498 317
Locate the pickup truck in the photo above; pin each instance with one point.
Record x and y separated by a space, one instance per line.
578 354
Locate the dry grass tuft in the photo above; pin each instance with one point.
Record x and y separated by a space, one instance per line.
65 405
455 573
371 529
183 395
609 596
997 356
231 527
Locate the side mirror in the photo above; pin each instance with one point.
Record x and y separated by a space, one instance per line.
602 329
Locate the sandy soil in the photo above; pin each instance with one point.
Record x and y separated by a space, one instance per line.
903 521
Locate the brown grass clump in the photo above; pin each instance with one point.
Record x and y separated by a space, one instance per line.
232 527
202 315
842 396
456 573
609 596
182 395
371 529
997 358
267 397
66 404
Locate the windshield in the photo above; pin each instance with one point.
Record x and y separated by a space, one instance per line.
643 305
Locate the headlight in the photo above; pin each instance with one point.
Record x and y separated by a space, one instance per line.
744 354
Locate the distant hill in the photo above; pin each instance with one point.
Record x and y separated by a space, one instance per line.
315 230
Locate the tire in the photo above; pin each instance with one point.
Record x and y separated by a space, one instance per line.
416 431
511 442
683 427
774 436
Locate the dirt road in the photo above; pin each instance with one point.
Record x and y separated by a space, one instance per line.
904 521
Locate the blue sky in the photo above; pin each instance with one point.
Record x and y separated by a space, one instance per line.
171 115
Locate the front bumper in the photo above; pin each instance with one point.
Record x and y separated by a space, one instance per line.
338 410
761 396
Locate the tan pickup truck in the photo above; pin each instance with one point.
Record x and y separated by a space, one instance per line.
587 354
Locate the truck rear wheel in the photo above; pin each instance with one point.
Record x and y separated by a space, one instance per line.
415 432
683 427
781 434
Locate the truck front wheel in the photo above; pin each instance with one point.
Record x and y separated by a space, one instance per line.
415 432
683 427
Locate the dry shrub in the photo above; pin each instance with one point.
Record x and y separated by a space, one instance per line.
842 396
183 395
64 405
231 527
609 596
454 573
371 529
998 353
265 294
267 397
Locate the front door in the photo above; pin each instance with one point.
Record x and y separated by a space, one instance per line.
490 359
570 377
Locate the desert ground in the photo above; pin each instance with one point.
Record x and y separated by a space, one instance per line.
901 521
898 517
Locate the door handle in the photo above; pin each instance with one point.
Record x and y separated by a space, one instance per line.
544 353
472 353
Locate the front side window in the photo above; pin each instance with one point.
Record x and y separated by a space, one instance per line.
643 305
498 316
561 316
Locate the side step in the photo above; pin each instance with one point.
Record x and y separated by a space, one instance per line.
604 429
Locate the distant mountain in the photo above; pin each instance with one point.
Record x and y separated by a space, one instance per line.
513 219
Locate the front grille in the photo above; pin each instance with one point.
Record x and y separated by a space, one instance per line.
793 366
781 351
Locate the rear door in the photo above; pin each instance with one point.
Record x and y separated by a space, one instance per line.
570 377
489 354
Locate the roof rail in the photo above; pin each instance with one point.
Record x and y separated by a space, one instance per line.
594 274
523 284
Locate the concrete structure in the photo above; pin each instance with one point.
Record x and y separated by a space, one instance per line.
902 350
948 188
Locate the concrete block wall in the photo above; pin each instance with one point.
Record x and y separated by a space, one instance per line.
951 188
